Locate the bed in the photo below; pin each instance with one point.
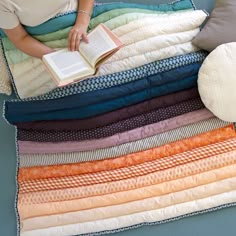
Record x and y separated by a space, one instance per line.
167 229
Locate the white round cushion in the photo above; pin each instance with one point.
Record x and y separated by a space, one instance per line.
217 82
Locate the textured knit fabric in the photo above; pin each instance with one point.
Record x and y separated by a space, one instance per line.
5 77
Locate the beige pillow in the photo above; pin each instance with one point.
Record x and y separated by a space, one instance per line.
217 82
5 81
220 28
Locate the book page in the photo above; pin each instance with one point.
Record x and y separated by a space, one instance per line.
99 44
66 63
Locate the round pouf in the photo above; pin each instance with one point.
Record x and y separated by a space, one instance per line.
217 82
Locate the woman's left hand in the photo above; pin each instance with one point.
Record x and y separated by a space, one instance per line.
77 33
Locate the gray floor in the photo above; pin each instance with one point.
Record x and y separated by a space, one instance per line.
216 223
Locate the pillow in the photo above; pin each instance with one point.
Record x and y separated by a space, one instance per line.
5 81
217 82
220 28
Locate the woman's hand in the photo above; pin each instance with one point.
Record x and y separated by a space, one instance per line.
77 33
79 30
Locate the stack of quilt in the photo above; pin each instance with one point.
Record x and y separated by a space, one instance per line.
133 145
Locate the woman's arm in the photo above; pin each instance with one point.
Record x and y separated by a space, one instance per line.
27 44
79 30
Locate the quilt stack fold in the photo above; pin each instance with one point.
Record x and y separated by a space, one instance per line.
132 146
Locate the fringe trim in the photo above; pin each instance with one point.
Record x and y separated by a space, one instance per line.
17 186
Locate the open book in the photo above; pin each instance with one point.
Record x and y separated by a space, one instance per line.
67 67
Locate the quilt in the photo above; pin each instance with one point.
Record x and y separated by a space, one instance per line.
149 34
129 147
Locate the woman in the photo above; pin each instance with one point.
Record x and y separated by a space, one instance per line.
15 13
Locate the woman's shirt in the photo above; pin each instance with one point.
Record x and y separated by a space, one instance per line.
32 12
